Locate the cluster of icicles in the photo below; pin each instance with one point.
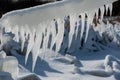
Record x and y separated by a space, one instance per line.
52 33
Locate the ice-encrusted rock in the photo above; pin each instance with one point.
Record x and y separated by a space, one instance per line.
9 64
2 54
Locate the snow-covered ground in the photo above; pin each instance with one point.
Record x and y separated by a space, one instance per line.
56 41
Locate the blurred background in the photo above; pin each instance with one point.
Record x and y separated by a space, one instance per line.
10 5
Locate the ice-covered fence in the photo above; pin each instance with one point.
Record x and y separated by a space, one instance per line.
35 25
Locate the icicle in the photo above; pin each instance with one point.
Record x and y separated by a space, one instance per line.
53 31
46 32
27 32
106 6
96 11
36 49
110 7
30 44
72 27
102 12
89 21
82 27
77 25
22 37
78 31
60 34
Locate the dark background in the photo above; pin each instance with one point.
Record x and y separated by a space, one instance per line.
9 5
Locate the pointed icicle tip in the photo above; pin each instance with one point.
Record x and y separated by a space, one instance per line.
102 12
111 8
107 7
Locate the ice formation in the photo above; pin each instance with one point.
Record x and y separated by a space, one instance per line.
29 25
8 64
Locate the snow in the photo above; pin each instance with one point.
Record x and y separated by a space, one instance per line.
61 45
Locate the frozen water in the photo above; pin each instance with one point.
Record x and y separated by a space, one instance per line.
22 37
89 22
34 22
30 44
102 12
60 34
36 48
110 7
107 6
82 24
72 28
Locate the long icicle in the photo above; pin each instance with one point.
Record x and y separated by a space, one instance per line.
106 6
30 44
60 34
102 12
22 35
36 49
89 21
72 26
53 31
111 8
82 27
